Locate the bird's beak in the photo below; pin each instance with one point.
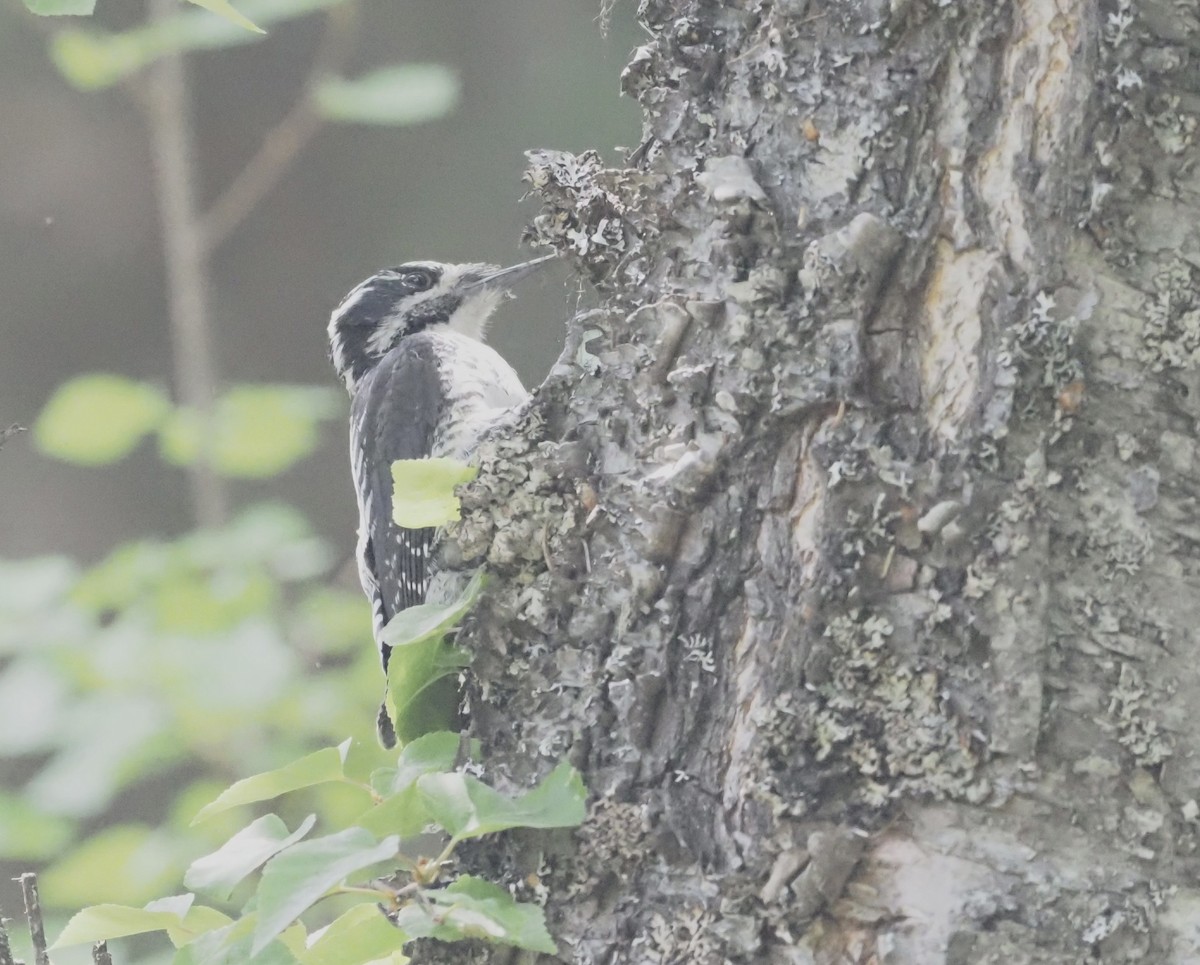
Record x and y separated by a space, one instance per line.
503 277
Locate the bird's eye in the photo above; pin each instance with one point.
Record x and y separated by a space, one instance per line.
417 279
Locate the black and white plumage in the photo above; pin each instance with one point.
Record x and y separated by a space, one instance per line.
408 343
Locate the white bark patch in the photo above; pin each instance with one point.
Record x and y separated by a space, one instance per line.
843 154
949 359
1034 111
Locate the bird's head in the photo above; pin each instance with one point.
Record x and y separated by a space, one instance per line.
397 302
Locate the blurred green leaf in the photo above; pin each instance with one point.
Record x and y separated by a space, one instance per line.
339 619
95 419
223 8
361 935
33 698
296 878
258 430
29 834
94 58
397 95
58 8
107 739
474 908
468 808
207 604
316 768
218 873
423 490
128 864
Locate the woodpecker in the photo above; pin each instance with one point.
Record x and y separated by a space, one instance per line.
408 343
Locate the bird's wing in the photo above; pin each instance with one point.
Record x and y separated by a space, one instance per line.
394 415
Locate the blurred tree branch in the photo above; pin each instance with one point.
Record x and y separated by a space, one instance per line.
283 144
169 116
190 236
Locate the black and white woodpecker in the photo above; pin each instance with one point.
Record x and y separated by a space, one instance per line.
408 343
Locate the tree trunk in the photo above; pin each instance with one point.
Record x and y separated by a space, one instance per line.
850 549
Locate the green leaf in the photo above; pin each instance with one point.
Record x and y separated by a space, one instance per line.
419 697
27 833
318 767
90 59
223 8
397 95
427 621
58 8
218 873
104 922
468 808
416 700
474 908
257 430
427 754
403 810
363 934
403 814
232 945
96 419
295 879
175 915
423 490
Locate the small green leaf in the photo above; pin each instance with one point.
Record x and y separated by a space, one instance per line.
426 621
423 490
319 767
361 935
58 8
397 95
223 8
468 808
95 419
427 754
258 430
218 873
474 908
295 879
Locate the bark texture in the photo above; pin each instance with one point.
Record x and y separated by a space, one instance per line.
850 550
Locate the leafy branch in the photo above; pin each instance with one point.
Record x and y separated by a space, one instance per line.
423 791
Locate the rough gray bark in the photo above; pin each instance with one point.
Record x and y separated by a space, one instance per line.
850 549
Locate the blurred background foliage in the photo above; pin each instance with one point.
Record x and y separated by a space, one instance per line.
144 664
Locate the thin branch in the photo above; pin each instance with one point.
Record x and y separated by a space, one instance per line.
284 142
33 914
187 266
6 956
